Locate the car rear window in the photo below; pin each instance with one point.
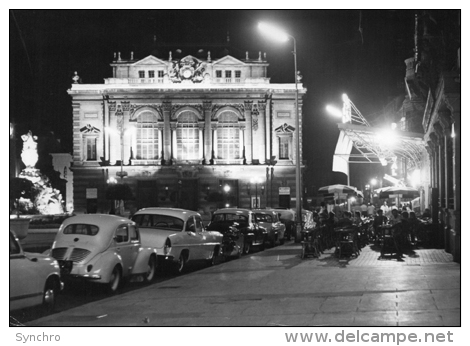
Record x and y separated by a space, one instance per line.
158 221
264 218
230 217
81 228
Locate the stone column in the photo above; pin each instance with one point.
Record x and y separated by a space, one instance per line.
435 157
207 106
268 117
261 143
431 163
446 125
114 140
174 143
201 142
214 148
441 164
78 146
453 103
240 141
166 131
160 143
248 133
105 129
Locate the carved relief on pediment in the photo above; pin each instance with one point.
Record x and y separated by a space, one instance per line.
188 69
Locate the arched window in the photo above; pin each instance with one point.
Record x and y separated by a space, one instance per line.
187 136
147 137
228 136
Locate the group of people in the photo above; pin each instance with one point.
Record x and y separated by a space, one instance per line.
403 220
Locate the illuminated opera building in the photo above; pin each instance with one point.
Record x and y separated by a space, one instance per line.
189 131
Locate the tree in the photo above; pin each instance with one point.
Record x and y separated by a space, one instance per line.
118 192
20 188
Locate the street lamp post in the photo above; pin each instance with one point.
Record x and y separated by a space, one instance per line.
283 36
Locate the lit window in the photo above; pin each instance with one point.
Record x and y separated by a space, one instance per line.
284 147
151 74
218 74
228 137
187 137
141 74
147 137
91 149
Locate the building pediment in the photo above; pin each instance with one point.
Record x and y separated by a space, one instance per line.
89 129
150 60
285 128
228 60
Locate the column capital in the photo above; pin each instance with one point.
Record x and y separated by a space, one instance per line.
262 105
439 131
207 105
453 102
248 105
166 105
112 106
434 140
432 146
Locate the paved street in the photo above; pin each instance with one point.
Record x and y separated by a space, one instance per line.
276 288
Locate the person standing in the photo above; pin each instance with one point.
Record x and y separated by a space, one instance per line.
386 210
364 209
370 210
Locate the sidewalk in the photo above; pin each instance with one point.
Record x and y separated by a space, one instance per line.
276 288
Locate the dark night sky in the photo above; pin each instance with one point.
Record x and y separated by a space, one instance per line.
47 46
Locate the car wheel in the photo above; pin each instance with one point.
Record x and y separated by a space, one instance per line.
181 265
115 280
247 248
49 295
151 270
215 257
272 243
240 251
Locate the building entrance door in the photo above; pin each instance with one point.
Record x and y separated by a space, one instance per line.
147 194
188 197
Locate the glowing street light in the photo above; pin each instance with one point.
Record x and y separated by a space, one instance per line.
279 35
334 111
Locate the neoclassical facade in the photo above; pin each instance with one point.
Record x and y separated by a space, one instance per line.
434 86
191 133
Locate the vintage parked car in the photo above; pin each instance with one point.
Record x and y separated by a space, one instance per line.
233 240
34 278
269 219
179 236
287 217
103 249
243 220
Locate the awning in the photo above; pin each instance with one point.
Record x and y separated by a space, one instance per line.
376 145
